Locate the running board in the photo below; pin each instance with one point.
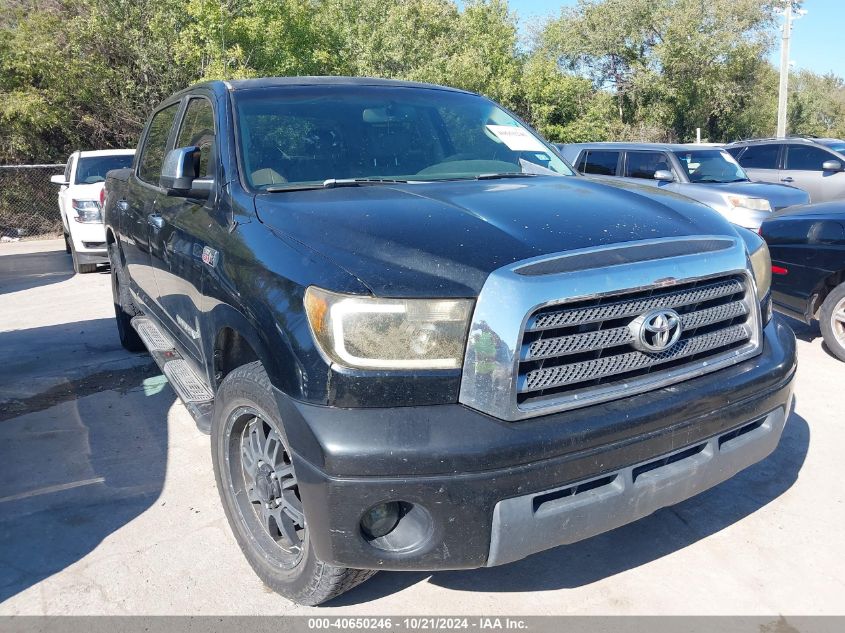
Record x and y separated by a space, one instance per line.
192 390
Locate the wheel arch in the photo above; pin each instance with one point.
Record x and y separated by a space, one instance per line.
236 340
824 288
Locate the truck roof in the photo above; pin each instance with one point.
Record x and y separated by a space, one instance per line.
270 82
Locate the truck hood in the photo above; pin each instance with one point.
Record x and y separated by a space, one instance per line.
779 196
443 239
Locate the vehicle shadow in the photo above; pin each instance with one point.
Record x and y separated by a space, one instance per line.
77 462
22 271
809 333
664 532
803 331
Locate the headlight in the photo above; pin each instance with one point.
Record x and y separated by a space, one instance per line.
87 211
761 262
754 204
372 333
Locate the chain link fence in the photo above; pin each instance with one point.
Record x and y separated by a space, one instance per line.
29 202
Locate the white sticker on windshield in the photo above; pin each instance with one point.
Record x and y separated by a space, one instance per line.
517 138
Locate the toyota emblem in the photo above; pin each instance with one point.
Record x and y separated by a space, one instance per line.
656 331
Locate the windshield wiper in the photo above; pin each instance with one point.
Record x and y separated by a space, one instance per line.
335 182
505 174
355 182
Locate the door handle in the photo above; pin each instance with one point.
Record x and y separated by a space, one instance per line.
122 205
155 220
787 179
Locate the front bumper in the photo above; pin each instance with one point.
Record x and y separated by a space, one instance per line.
494 492
89 241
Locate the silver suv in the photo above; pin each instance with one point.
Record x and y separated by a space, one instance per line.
701 172
812 164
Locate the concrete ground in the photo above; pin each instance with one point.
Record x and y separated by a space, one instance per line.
108 503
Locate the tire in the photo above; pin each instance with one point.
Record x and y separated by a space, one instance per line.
124 308
67 242
79 267
247 430
832 321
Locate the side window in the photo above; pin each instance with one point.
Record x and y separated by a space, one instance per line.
600 162
155 145
198 129
735 151
806 157
760 157
644 164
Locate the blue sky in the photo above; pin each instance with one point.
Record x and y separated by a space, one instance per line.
816 42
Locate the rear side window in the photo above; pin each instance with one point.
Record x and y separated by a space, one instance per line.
806 157
644 164
155 145
600 162
760 157
198 129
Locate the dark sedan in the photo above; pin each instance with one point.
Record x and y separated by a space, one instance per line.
807 245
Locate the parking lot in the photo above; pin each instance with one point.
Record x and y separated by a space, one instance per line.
108 503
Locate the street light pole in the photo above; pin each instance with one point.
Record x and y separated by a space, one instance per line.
784 69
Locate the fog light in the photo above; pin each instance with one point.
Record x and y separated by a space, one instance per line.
380 520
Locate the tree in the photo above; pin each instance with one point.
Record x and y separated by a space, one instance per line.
670 64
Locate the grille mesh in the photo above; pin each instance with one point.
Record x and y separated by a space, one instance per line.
634 307
621 363
589 344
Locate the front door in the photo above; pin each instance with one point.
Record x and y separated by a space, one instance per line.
138 206
176 237
803 169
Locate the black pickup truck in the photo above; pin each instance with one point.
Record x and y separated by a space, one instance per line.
419 341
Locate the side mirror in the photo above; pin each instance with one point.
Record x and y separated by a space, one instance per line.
832 165
664 175
58 179
180 174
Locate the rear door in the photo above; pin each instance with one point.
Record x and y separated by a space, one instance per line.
803 169
176 236
138 206
762 162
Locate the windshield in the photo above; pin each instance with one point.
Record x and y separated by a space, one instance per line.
93 169
836 146
298 136
711 166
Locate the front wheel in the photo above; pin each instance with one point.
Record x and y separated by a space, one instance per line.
78 266
832 321
261 495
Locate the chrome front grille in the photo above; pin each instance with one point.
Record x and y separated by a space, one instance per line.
586 348
568 330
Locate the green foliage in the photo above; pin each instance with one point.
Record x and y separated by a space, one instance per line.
84 74
817 105
672 65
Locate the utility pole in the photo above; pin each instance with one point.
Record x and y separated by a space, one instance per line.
784 68
789 14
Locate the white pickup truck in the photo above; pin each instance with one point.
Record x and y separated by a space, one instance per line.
80 204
